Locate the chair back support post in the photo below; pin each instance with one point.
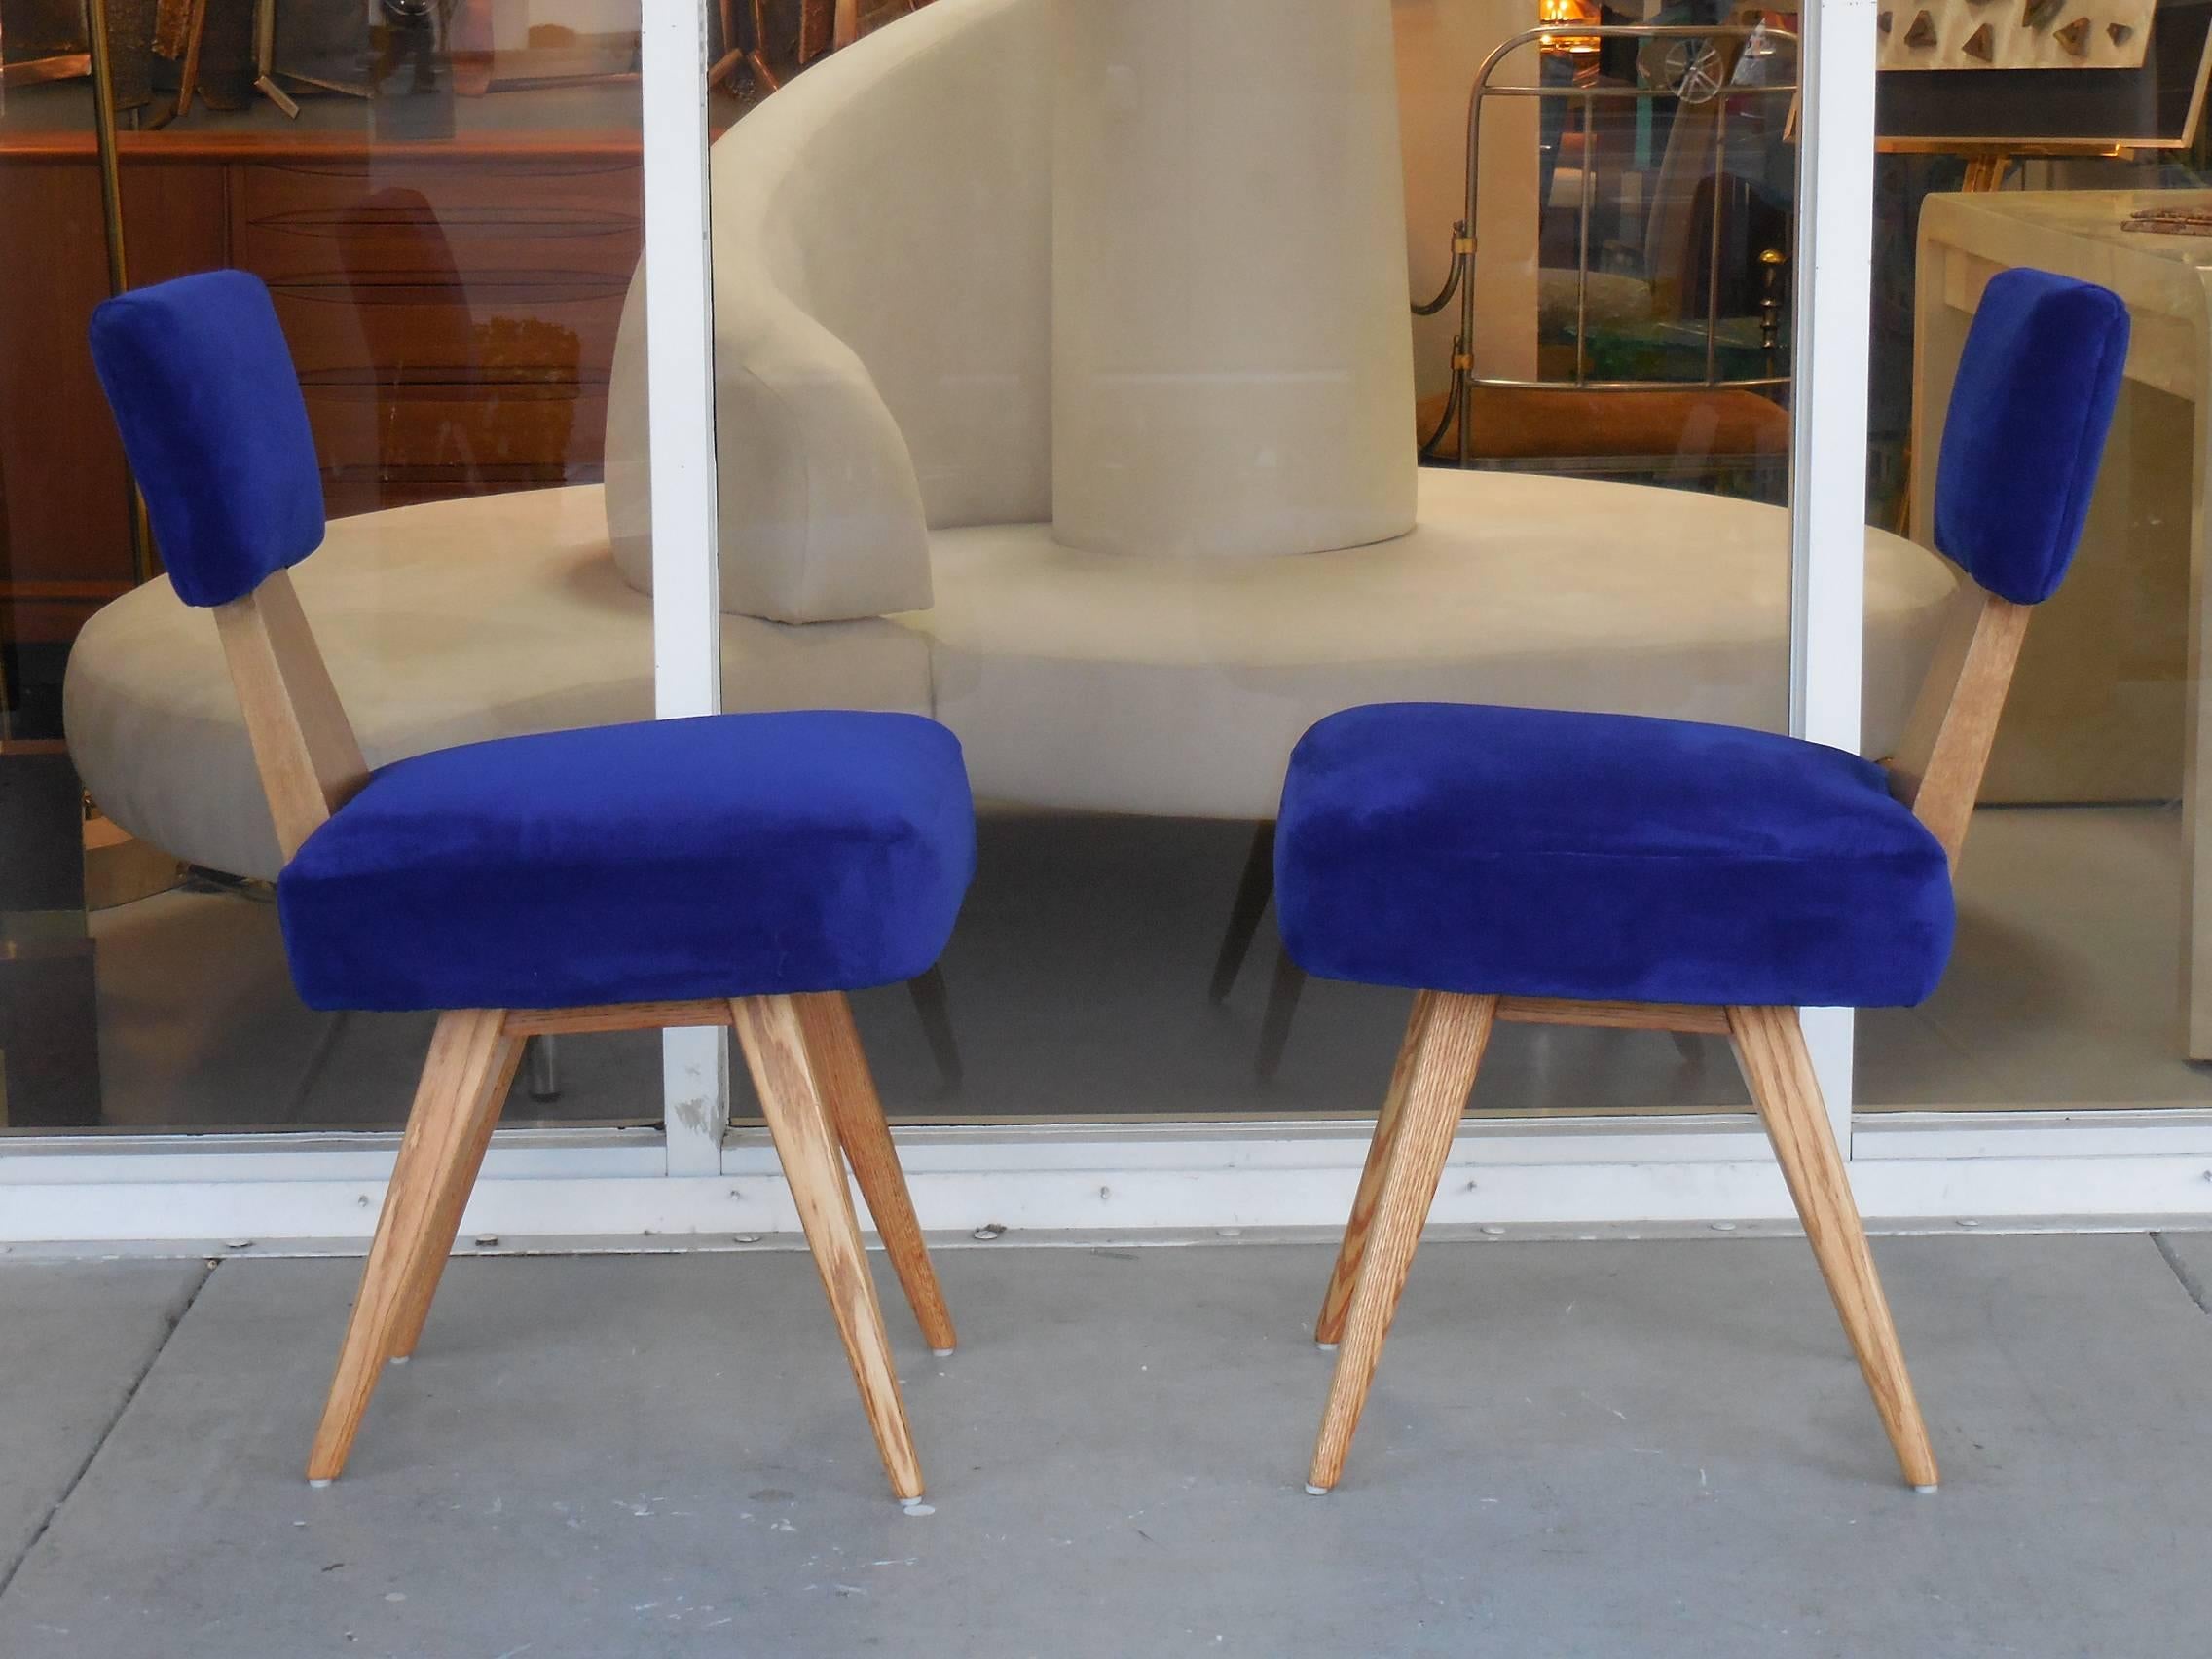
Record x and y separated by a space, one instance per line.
1939 765
304 746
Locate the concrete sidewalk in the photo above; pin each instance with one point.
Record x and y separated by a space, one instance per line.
1605 1448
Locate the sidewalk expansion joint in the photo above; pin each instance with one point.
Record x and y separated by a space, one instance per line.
8 1569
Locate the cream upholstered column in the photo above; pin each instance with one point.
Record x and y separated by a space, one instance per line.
1232 351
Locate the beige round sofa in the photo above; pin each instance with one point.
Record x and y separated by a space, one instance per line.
882 232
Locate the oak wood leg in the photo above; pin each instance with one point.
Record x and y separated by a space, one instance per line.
816 29
188 73
471 1059
1443 1073
773 1036
1254 888
833 1042
730 55
407 1327
756 53
1770 1046
1337 1301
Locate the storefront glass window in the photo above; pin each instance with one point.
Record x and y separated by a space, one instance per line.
1139 382
443 198
2084 965
1129 383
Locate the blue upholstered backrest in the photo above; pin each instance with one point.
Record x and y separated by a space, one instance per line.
204 392
2026 429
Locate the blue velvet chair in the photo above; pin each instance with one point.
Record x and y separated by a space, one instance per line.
742 870
1599 869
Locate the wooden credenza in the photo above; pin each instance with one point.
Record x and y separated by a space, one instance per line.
451 303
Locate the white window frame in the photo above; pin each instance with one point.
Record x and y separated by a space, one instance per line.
1835 261
679 395
700 1183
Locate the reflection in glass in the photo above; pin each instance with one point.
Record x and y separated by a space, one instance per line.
1098 317
443 196
2082 972
1069 390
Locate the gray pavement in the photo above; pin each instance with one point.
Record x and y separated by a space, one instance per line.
75 1338
1602 1448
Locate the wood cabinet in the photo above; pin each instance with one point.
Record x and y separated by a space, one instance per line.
451 303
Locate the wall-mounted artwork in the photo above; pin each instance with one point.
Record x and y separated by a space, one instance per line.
2013 34
2137 81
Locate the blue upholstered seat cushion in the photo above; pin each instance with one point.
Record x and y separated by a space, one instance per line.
201 385
738 855
1528 852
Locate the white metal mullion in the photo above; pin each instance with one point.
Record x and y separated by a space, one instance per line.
1834 286
681 419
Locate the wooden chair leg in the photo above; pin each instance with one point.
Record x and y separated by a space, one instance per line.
465 1082
756 53
187 75
1254 888
1770 1046
730 52
816 26
544 1056
773 1036
1329 1329
1441 1076
1283 1009
933 1006
833 1042
407 1328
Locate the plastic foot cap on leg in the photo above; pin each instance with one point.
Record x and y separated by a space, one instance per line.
401 1358
1326 1348
942 1354
1924 1491
319 1485
1312 1490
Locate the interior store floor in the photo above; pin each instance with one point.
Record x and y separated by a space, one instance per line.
1078 989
